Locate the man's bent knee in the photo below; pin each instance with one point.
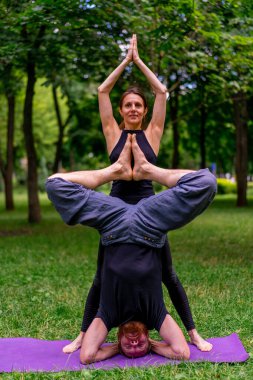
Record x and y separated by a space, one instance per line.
182 353
87 356
202 189
210 182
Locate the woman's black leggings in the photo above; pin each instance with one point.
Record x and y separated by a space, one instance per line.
169 278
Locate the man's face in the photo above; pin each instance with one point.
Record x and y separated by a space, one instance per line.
133 345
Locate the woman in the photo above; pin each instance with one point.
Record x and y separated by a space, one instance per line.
133 109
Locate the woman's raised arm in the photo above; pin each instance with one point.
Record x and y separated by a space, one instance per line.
155 129
109 124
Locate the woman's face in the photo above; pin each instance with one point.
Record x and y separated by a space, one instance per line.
133 111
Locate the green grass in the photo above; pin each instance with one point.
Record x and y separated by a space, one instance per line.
46 271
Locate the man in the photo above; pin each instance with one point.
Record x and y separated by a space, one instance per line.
132 235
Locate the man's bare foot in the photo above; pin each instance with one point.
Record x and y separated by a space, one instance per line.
198 341
141 165
123 164
75 345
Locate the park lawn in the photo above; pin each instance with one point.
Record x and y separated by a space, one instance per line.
46 271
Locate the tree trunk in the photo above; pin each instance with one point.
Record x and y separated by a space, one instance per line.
241 166
203 117
61 127
32 177
9 202
60 135
174 120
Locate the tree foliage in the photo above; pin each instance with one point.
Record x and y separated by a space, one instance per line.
201 50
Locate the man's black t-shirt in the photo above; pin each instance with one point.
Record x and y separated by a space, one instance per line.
131 286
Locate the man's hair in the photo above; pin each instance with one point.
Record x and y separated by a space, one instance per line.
133 327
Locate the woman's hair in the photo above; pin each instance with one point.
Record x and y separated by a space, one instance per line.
133 90
137 91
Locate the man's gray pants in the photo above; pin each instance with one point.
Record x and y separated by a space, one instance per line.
147 222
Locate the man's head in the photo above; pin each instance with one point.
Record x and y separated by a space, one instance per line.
133 339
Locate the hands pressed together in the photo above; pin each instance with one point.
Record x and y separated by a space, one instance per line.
132 54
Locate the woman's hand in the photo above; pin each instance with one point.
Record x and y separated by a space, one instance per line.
132 54
129 56
135 49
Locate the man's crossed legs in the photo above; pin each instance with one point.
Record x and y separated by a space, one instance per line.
189 194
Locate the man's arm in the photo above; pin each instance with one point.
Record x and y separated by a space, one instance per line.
105 352
164 349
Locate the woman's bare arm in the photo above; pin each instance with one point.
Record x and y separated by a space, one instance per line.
109 124
155 129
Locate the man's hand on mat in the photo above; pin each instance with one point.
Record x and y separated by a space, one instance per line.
75 345
198 341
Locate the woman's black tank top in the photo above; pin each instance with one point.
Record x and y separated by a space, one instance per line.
133 191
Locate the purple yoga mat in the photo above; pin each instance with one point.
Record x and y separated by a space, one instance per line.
35 355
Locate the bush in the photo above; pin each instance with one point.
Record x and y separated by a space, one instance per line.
225 186
250 189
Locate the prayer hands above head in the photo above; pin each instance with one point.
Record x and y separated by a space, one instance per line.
129 56
132 54
135 49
